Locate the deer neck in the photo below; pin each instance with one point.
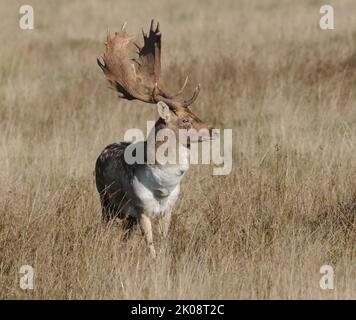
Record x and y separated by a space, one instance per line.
152 149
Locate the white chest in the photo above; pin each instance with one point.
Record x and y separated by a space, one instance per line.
158 188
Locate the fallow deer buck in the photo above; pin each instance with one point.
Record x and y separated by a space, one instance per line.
139 192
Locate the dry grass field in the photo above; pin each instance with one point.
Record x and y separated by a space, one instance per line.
285 87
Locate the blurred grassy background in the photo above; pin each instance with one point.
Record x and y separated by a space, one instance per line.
285 87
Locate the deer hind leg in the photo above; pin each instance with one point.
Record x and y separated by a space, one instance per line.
109 210
146 227
164 223
106 214
129 225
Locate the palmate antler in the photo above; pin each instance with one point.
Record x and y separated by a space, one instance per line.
139 78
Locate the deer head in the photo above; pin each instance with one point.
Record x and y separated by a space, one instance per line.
140 78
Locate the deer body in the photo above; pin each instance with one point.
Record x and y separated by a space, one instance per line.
139 192
131 190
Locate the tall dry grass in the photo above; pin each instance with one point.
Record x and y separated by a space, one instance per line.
285 87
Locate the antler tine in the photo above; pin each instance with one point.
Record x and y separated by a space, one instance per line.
193 98
152 28
100 64
144 34
108 36
124 26
182 89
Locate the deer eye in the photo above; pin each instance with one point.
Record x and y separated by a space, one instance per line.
185 120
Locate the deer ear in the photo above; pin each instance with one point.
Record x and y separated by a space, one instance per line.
163 110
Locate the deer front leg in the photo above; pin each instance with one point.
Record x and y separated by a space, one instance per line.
146 227
164 223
